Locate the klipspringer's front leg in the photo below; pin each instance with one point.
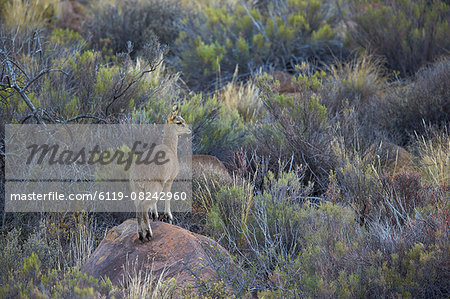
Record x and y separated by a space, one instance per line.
148 229
167 212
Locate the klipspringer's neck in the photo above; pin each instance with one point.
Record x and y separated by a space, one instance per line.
170 139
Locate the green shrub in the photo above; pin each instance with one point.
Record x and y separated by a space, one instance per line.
219 38
31 281
227 214
415 272
357 184
301 124
320 250
351 93
217 130
204 189
304 250
10 254
264 228
330 238
408 34
65 37
15 248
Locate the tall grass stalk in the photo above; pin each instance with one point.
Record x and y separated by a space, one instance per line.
141 283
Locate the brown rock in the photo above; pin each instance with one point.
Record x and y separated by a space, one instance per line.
206 166
210 165
72 15
285 80
174 250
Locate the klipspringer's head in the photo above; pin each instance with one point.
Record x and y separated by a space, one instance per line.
175 118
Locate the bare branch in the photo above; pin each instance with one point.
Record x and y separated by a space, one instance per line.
258 26
19 67
152 68
41 73
39 50
17 88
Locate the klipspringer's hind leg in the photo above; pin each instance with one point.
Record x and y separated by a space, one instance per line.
138 187
167 213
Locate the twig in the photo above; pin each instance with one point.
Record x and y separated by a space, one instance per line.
81 116
39 50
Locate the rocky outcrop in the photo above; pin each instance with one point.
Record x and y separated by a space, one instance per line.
173 251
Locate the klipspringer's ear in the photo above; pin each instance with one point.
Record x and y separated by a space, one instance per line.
172 114
175 109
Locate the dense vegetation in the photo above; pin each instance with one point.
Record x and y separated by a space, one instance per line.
341 184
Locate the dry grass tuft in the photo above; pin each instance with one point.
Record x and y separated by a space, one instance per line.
18 14
82 238
357 82
141 283
243 97
434 158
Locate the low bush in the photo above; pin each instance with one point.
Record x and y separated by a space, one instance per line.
409 110
356 184
59 241
364 106
113 24
357 81
296 245
408 34
383 197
